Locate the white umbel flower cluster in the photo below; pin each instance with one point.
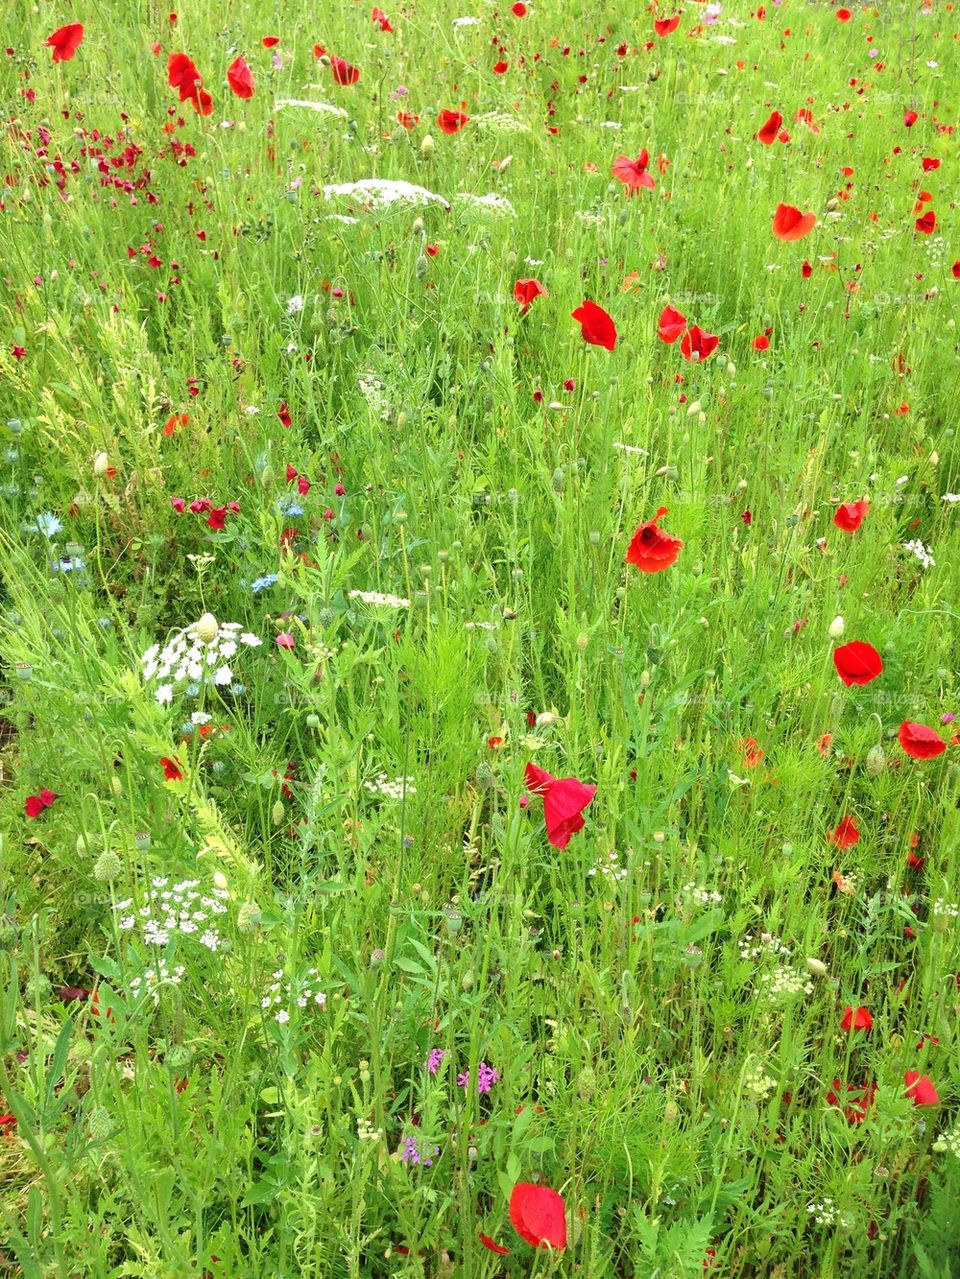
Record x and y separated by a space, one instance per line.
182 909
200 653
283 991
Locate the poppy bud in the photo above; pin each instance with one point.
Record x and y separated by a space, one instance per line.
644 679
278 813
558 481
836 628
207 629
107 866
248 916
324 60
545 719
876 761
101 464
583 639
116 786
220 880
421 267
816 967
313 721
427 146
934 459
418 228
731 369
266 476
466 981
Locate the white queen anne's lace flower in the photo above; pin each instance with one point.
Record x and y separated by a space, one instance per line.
200 652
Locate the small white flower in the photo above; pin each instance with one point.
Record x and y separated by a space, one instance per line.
164 694
283 1016
223 676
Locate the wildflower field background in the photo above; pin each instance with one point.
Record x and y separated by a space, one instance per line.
479 525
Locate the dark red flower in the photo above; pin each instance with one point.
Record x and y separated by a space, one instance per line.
850 515
920 742
65 41
537 1214
240 78
859 1020
34 805
910 118
501 67
527 291
381 19
860 1102
343 72
857 662
270 42
283 413
171 769
790 224
451 121
768 134
845 835
697 345
843 15
633 173
564 799
596 325
671 325
806 270
652 550
920 1089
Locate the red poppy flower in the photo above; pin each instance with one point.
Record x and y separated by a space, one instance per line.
790 224
857 663
671 325
920 742
381 19
633 173
955 269
862 1099
182 75
664 26
844 15
171 769
494 1247
806 270
500 68
851 515
910 118
538 1216
174 421
65 41
651 549
564 799
768 134
34 805
929 164
519 10
845 835
697 345
859 1020
596 325
921 1089
927 224
760 343
751 753
451 121
407 119
240 78
283 413
526 292
343 72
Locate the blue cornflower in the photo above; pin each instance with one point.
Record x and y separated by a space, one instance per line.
47 524
264 583
286 507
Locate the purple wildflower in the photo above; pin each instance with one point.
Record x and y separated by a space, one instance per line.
411 1153
435 1058
487 1076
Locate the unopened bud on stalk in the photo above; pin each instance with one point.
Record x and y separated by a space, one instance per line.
101 464
207 629
836 628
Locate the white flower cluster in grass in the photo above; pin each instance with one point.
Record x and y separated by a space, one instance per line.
323 108
161 974
949 1142
381 785
173 910
609 868
377 192
282 992
374 597
950 497
492 201
366 1131
948 910
751 948
702 896
189 656
500 122
757 1082
466 22
923 553
784 983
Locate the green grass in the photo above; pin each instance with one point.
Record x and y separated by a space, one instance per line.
664 1050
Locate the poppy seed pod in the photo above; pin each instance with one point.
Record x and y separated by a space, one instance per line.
207 629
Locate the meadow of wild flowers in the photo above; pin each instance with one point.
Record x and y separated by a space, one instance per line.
479 525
